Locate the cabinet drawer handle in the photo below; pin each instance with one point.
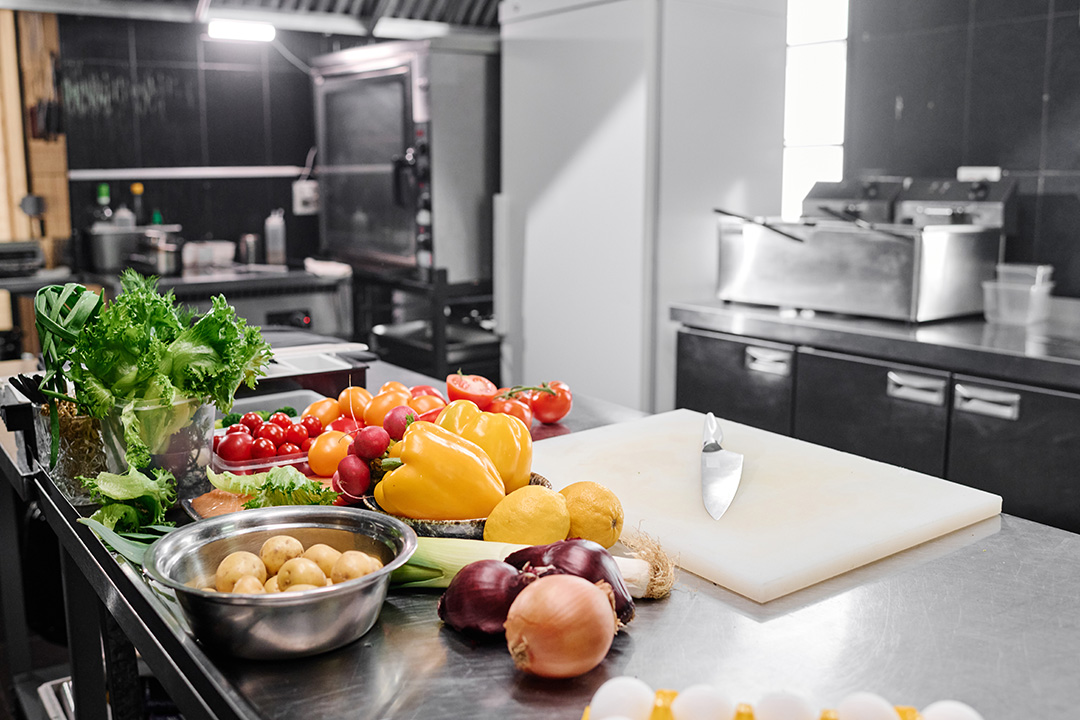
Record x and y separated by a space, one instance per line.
983 401
768 360
916 388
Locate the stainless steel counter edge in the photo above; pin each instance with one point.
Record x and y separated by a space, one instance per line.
1046 355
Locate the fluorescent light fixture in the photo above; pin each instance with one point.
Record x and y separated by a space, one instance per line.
407 29
241 30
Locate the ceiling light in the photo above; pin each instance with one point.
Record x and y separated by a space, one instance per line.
408 29
240 30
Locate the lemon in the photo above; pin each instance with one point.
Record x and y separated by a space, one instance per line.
595 512
531 515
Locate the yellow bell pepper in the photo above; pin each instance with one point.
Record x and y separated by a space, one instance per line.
457 415
507 441
443 476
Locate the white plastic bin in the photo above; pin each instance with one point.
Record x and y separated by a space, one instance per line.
1016 303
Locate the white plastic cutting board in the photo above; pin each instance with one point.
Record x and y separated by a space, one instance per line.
803 513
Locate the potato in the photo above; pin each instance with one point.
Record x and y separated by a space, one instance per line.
301 587
235 566
324 555
300 571
353 564
248 584
277 550
271 585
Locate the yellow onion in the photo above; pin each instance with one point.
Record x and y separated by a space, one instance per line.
561 626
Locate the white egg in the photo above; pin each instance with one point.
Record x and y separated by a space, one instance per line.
622 697
865 706
784 706
702 702
950 710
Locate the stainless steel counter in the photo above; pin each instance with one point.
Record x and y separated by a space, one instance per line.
989 615
1047 355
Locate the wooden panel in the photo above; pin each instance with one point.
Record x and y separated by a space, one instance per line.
39 49
14 224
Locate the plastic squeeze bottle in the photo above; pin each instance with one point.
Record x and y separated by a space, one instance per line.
274 232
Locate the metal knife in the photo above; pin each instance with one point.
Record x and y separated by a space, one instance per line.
721 470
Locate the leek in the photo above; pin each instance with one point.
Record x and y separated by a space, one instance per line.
437 560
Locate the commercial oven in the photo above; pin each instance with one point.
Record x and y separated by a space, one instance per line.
408 150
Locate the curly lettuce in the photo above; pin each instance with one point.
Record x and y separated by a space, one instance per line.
143 356
131 500
280 485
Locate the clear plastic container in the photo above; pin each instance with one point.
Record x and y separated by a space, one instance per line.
297 399
179 437
1016 303
1023 274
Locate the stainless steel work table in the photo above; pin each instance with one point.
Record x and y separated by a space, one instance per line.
989 615
1046 354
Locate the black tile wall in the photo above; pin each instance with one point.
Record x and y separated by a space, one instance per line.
936 84
141 94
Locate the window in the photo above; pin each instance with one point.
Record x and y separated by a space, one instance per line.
813 98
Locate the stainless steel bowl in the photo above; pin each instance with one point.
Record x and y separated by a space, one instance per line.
279 625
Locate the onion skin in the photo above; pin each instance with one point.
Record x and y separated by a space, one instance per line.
583 558
561 626
479 597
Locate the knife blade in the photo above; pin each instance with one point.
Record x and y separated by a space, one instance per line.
721 470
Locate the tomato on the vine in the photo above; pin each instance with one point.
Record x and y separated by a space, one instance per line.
512 406
551 401
476 388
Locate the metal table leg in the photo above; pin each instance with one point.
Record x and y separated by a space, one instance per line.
12 607
83 612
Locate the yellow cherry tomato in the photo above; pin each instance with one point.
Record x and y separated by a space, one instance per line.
327 450
326 410
353 401
383 403
394 385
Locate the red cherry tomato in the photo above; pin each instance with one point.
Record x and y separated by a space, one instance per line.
236 447
288 448
313 425
510 406
273 433
418 390
280 418
237 427
431 415
306 445
252 420
551 407
217 441
345 425
296 434
263 448
476 388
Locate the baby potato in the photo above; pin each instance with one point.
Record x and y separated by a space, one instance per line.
301 587
323 555
276 550
271 585
353 564
248 584
235 566
300 571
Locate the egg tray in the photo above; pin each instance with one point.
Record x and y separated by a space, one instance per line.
661 710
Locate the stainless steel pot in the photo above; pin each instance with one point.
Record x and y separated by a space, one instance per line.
157 255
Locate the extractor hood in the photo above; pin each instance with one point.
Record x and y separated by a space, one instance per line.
383 18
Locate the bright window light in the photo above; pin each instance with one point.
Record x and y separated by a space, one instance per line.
408 29
804 166
241 30
811 21
814 94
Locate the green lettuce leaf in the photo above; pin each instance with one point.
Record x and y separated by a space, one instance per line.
281 485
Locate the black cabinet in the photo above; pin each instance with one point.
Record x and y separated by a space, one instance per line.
1020 442
897 414
747 382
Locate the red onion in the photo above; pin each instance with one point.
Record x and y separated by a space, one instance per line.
583 558
561 626
479 596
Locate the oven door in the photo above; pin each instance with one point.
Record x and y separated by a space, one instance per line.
368 174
